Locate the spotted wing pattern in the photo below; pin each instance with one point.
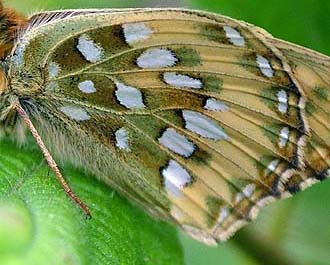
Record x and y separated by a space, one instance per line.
313 72
197 117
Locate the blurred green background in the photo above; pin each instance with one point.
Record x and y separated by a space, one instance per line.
294 231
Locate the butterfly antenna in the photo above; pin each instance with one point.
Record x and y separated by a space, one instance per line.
51 162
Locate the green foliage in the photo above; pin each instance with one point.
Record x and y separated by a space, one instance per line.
40 225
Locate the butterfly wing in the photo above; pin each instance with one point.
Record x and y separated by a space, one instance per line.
312 69
194 116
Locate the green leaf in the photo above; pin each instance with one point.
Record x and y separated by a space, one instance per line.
39 224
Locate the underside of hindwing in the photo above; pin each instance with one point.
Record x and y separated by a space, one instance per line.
199 118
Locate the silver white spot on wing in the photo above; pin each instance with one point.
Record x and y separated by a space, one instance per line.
129 96
89 49
175 177
203 125
179 80
248 190
224 213
75 112
121 136
215 105
265 66
156 58
135 32
177 143
284 137
272 166
234 36
282 101
239 196
53 70
87 87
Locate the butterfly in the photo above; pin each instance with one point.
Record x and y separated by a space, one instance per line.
198 118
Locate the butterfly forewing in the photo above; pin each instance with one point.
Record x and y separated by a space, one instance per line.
196 117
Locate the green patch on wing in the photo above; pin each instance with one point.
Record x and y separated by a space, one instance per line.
187 56
262 164
213 83
238 184
201 157
173 117
214 33
214 204
150 125
310 108
110 38
269 97
272 132
249 63
313 142
321 93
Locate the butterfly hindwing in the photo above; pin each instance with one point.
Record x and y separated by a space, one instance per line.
191 115
312 69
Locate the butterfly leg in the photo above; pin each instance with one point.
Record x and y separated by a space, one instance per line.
51 162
